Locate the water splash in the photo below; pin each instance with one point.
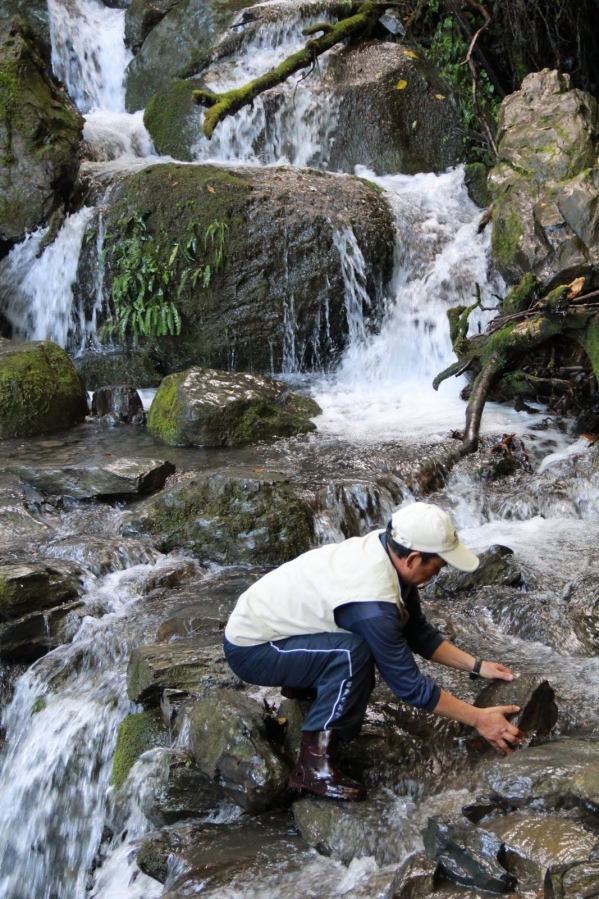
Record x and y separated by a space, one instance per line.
36 294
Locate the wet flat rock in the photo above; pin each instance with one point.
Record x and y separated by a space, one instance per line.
579 881
121 477
34 587
551 774
533 694
229 741
184 665
533 845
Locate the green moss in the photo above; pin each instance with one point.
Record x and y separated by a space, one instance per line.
164 419
475 177
523 295
40 390
174 120
136 734
507 231
263 420
152 859
591 344
370 185
39 705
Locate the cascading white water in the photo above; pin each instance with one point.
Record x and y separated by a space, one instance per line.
294 126
38 292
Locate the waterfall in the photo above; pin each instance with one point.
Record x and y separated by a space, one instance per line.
37 293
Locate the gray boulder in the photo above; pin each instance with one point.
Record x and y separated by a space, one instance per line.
395 113
551 775
545 186
120 478
227 518
186 665
141 17
255 312
228 739
40 389
535 844
497 568
119 405
40 131
202 407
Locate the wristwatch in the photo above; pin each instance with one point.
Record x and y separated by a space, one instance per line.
475 673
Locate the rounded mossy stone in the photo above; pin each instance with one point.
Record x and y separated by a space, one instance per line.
475 178
40 390
521 296
136 734
204 407
174 121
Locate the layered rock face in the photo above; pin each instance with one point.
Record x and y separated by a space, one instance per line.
40 130
280 296
546 184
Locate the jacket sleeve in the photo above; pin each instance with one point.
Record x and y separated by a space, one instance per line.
421 636
380 626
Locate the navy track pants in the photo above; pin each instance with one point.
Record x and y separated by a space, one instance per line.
339 665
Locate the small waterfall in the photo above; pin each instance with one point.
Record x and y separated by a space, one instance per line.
353 267
89 53
295 125
37 293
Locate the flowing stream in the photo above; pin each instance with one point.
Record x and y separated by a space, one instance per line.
55 795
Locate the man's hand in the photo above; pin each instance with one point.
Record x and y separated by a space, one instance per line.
494 727
496 671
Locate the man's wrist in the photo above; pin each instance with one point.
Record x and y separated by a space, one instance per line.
475 672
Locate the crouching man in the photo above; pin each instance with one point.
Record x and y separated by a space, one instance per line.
319 624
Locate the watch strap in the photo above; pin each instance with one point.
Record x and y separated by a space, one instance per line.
475 673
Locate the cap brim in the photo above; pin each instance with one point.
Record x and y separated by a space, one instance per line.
461 558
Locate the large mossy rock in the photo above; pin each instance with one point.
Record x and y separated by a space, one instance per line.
202 407
137 734
227 519
546 183
415 128
228 739
40 389
281 296
40 130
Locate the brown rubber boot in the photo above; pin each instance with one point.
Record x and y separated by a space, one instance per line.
315 772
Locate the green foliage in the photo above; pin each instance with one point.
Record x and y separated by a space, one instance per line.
149 277
447 52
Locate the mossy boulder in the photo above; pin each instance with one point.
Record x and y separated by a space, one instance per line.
203 407
40 389
136 734
546 184
281 297
228 739
174 121
227 518
394 112
475 178
40 131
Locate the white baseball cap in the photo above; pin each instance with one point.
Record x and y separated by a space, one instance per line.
426 528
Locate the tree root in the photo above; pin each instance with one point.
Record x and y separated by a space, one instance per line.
229 102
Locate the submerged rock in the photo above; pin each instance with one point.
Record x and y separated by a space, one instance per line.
416 878
497 566
536 699
394 115
534 844
223 518
546 184
293 240
123 477
40 389
202 407
40 130
551 775
119 405
228 739
467 855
